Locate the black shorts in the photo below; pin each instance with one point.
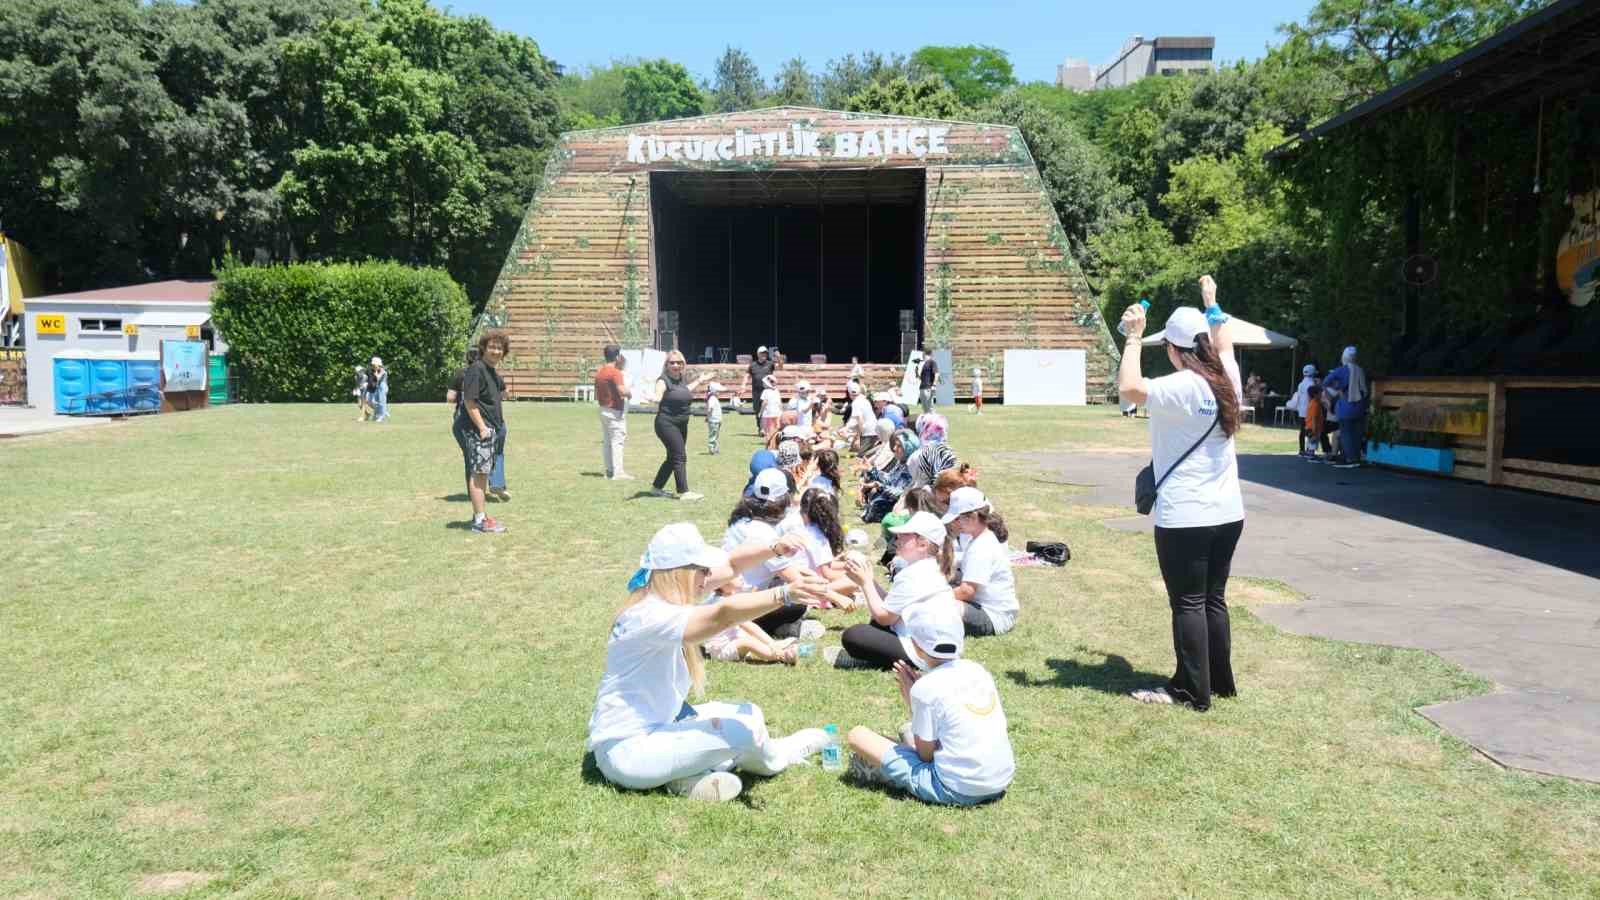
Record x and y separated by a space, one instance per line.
479 452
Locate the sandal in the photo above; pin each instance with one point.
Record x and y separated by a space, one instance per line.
1157 696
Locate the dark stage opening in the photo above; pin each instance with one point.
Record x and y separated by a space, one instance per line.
808 262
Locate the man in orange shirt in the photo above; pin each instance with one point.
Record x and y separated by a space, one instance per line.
611 392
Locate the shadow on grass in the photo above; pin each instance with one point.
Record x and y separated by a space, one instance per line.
455 498
590 772
1113 676
591 474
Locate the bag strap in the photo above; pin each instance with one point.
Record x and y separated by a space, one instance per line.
1192 449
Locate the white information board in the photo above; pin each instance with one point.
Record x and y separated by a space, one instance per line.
643 368
1046 378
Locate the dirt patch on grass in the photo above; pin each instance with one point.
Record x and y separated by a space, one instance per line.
1251 592
164 815
172 882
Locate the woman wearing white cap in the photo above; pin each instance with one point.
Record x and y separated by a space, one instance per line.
643 732
1199 513
924 547
988 589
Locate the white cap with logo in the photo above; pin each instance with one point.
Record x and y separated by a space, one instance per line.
935 627
925 525
771 485
964 500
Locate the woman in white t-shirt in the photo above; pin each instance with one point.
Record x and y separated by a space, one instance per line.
1199 513
643 732
988 589
923 545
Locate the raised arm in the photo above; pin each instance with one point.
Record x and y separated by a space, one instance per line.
1221 333
1131 386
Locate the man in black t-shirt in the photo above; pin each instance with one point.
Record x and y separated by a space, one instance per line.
927 379
481 389
759 369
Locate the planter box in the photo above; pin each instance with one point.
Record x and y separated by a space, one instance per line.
1405 456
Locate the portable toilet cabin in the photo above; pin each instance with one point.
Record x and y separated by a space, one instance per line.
69 377
144 382
108 385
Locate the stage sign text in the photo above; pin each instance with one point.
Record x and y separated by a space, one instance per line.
795 141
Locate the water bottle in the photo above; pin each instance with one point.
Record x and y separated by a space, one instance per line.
1122 329
832 754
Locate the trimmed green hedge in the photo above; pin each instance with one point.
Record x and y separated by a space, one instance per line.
296 332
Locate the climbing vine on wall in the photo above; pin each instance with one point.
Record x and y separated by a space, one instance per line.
633 334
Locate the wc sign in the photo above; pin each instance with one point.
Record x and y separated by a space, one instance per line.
797 141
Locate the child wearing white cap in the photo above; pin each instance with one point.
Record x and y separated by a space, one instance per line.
643 732
988 589
713 417
771 406
925 549
757 519
958 753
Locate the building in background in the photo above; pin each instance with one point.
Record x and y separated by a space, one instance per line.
1075 75
1142 57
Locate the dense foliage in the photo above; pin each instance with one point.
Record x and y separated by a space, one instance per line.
295 332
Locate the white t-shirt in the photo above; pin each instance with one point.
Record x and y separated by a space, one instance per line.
1204 490
816 552
771 404
824 482
713 409
957 705
762 575
984 563
646 678
802 409
919 582
862 419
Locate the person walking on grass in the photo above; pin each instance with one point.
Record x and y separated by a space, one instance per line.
461 428
643 732
611 393
955 751
674 394
363 407
1199 512
378 385
481 392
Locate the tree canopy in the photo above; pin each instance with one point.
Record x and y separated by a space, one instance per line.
975 73
659 89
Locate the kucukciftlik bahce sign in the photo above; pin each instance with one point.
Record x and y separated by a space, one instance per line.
795 141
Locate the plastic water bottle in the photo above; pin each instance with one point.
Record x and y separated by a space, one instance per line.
832 754
1122 329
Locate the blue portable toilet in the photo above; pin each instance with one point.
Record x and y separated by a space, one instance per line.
144 382
108 386
70 375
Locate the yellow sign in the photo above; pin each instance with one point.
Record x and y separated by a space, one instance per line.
130 329
50 324
192 331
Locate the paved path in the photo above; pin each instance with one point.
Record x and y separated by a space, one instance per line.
20 421
1503 583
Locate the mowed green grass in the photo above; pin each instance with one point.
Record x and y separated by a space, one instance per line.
251 651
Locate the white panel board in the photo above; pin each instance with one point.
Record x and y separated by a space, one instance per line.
644 367
1046 378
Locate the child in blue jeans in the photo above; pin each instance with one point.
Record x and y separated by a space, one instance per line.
957 752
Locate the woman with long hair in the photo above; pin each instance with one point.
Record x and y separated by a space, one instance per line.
674 393
827 475
1199 512
643 732
923 544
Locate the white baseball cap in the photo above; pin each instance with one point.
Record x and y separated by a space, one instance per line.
802 386
770 381
771 485
793 432
857 538
678 545
936 628
1183 326
760 350
376 361
964 500
853 388
925 525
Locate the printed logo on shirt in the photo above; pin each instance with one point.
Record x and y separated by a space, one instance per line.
994 701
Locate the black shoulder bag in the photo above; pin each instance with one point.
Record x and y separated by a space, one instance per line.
1146 485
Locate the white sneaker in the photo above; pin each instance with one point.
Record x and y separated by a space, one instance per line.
622 476
712 787
811 629
864 772
840 658
805 742
691 495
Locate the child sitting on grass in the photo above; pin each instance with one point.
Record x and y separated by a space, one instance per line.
957 752
748 642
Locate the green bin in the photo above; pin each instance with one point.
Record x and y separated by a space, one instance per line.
217 378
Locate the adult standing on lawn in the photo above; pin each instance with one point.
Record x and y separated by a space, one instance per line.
643 732
460 427
378 384
757 372
1349 384
928 379
481 390
611 392
674 393
1199 512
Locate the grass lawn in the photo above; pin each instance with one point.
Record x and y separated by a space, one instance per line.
252 651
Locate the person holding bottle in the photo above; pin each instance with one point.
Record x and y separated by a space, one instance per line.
1199 511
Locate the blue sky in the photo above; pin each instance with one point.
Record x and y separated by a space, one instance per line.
1037 35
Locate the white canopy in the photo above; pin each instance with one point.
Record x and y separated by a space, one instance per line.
1246 336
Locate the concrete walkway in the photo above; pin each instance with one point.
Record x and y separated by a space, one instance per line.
20 421
1502 583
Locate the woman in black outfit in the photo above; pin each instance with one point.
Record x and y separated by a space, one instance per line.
673 397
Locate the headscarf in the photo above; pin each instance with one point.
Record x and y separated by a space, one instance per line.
1357 391
932 428
885 430
929 461
788 454
908 442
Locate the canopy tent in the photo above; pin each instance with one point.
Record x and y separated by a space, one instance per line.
1246 336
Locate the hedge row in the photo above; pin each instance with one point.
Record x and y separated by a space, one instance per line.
296 332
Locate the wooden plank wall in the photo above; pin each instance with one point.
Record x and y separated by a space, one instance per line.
997 269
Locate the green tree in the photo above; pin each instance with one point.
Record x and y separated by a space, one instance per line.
659 89
736 82
592 97
929 98
975 73
848 75
794 86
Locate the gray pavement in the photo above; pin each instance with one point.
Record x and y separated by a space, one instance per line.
21 421
1503 583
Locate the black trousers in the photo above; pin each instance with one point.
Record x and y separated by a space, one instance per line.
1194 564
786 614
976 622
873 643
1305 437
674 435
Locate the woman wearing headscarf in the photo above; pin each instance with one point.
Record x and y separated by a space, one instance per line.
934 456
1348 384
1199 511
674 393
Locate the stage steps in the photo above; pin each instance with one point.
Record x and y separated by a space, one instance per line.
830 377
